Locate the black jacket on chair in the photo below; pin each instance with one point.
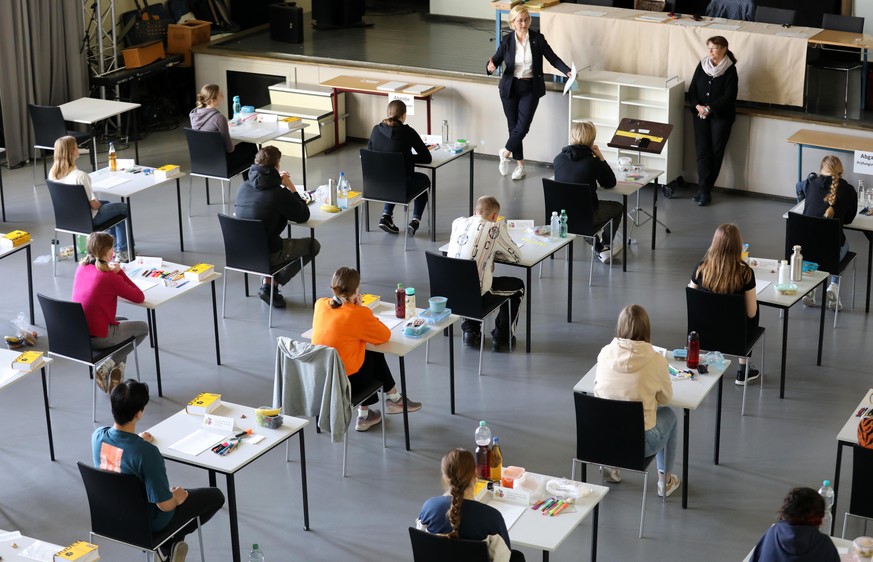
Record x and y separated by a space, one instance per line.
539 48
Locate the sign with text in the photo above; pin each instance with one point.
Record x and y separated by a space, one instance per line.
407 99
863 162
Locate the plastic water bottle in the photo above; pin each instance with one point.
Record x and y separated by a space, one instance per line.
784 272
256 554
445 132
555 226
483 451
342 189
496 461
862 197
827 493
563 219
113 158
237 109
410 303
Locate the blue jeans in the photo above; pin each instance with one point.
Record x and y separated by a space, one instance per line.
844 249
417 182
661 439
109 211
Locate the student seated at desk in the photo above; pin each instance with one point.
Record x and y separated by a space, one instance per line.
796 536
630 369
343 323
64 170
120 449
481 238
98 284
458 515
207 117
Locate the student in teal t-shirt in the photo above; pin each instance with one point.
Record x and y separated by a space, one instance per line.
120 449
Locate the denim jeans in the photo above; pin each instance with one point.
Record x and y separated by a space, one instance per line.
109 211
661 439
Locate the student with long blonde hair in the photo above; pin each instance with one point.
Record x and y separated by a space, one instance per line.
207 117
723 271
64 170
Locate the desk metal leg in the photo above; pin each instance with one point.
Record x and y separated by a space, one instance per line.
471 183
30 284
154 330
303 158
569 284
594 521
837 481
718 422
403 397
685 440
869 237
215 324
821 323
452 367
2 199
427 101
863 89
303 481
432 203
799 161
48 418
624 239
234 524
212 482
784 352
128 223
357 240
132 117
312 265
656 187
545 556
179 207
527 313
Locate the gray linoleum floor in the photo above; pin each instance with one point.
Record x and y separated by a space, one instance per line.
526 399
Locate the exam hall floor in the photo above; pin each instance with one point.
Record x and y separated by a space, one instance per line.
525 398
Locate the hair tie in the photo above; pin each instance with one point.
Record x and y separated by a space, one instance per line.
338 301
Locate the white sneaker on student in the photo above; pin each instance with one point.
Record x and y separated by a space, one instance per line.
504 163
667 489
833 296
611 474
519 173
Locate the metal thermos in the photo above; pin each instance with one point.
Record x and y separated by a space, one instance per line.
796 265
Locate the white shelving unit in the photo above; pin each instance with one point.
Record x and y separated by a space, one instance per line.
605 97
313 105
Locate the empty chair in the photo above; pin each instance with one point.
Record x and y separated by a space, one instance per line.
730 9
779 16
611 433
69 339
427 547
120 511
209 160
48 126
836 59
861 498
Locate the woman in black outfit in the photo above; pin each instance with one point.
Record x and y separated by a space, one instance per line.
713 96
522 84
394 135
582 162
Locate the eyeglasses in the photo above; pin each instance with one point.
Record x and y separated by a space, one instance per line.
523 20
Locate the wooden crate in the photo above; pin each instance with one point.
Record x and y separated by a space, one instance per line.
143 54
181 37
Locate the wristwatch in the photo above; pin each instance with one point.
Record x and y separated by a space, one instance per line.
707 109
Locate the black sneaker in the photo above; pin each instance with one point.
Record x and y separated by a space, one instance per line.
501 344
472 339
704 200
741 375
387 224
412 228
264 294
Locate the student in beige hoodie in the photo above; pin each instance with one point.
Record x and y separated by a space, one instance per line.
630 369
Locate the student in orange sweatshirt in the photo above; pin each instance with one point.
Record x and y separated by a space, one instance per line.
343 323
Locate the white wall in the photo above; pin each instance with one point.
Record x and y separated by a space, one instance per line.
463 8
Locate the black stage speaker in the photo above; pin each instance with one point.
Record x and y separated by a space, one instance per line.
286 23
337 13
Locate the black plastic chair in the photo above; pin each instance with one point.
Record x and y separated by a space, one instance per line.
385 181
458 281
606 3
861 499
48 126
779 16
120 511
819 240
247 250
839 59
427 547
721 322
69 339
611 433
208 154
73 214
576 199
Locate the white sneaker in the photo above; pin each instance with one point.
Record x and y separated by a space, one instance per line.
616 248
605 255
667 489
833 296
611 474
519 173
504 163
809 299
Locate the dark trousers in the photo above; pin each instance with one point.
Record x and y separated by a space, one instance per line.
202 502
242 157
519 109
374 368
501 287
710 139
293 248
608 211
416 183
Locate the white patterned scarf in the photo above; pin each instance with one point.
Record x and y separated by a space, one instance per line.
715 70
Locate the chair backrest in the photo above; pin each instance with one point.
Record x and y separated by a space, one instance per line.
719 320
208 153
384 176
861 500
245 244
427 547
67 328
71 207
781 16
837 22
576 199
610 432
48 124
458 281
818 238
119 506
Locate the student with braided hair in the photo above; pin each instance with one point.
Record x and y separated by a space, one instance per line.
458 515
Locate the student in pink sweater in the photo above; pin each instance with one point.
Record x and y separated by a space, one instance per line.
98 284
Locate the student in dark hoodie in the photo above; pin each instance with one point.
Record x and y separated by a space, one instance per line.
394 135
582 162
270 196
796 536
207 117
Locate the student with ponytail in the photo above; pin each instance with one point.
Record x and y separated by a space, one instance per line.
458 515
207 117
829 195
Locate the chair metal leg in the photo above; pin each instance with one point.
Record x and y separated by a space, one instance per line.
591 265
645 493
573 469
190 193
481 343
745 386
92 370
405 229
49 384
200 537
136 361
845 520
272 292
427 352
346 447
224 293
384 411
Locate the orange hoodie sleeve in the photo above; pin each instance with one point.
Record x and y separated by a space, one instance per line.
371 330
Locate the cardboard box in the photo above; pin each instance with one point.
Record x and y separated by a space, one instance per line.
143 54
182 36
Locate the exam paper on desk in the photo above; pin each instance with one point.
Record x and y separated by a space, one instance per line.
510 512
761 285
41 551
143 284
197 442
109 182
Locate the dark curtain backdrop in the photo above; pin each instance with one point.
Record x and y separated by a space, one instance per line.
40 62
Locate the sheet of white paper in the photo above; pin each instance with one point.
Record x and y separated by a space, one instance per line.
571 79
392 86
690 23
725 26
657 19
255 133
590 13
109 182
794 34
510 512
389 320
143 284
418 89
10 536
661 350
761 285
197 442
41 551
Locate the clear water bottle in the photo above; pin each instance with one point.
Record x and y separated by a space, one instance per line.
483 451
555 226
563 219
256 554
237 109
827 493
342 189
445 132
862 196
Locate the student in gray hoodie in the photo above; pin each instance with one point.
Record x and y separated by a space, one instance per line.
207 117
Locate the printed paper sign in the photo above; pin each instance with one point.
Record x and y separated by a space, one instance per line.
863 162
408 99
219 423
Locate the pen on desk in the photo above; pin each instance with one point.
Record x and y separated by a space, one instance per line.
244 433
219 447
561 508
146 273
551 510
538 505
182 284
549 503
